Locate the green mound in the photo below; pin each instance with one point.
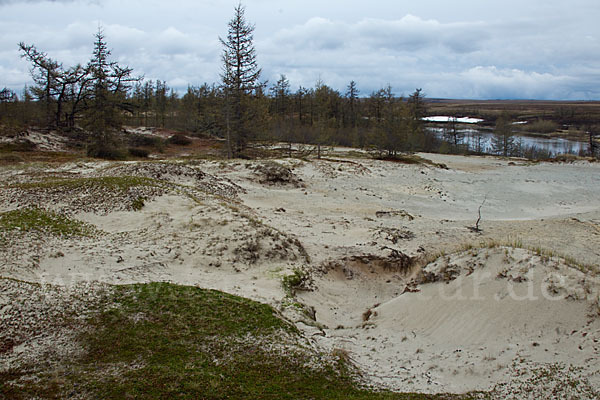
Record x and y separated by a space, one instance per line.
159 340
38 220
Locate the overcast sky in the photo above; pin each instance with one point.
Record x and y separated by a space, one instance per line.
478 49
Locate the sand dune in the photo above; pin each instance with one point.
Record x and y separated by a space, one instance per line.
419 301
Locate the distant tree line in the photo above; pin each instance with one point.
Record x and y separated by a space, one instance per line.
101 96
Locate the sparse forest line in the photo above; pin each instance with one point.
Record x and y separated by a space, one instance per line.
100 97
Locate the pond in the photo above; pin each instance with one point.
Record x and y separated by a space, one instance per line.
480 139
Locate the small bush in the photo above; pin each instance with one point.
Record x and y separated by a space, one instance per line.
409 159
138 152
541 126
154 142
274 174
106 151
179 140
22 145
138 204
10 158
567 158
299 280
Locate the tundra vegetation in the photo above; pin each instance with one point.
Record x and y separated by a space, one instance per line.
160 340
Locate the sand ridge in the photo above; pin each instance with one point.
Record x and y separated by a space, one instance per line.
398 280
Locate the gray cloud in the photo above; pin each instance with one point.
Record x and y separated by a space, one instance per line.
550 49
7 2
408 34
513 59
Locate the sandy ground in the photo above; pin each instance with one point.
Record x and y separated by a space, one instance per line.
399 282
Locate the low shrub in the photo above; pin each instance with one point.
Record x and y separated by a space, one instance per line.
567 158
298 280
273 173
541 126
138 204
154 142
22 145
10 158
179 139
138 152
106 151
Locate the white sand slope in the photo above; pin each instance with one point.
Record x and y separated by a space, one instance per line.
501 319
492 308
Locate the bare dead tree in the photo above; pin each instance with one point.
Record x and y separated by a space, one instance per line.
476 228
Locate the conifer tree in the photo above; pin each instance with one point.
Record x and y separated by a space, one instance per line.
503 142
352 98
240 78
108 99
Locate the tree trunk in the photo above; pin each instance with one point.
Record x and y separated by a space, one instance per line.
228 132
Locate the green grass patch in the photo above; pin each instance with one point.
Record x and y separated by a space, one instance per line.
163 341
39 220
298 280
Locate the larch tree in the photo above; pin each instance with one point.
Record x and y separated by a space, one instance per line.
591 130
240 79
7 95
392 125
280 93
280 106
452 133
62 90
161 103
47 75
503 142
352 99
300 102
416 111
108 99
